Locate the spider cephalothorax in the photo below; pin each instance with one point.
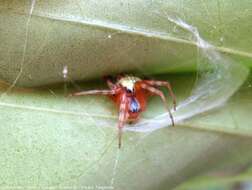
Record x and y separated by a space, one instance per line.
130 94
128 82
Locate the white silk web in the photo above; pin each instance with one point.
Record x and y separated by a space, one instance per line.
63 139
219 78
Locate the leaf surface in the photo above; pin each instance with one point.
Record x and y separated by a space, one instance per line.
51 140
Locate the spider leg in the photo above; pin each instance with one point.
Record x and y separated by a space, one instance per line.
165 84
159 93
95 92
122 117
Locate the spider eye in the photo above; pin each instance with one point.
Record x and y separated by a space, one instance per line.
128 90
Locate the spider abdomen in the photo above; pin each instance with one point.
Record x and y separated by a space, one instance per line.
136 106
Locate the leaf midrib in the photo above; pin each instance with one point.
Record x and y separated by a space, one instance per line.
138 31
103 116
131 30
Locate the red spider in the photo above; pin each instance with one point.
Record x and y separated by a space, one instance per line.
130 94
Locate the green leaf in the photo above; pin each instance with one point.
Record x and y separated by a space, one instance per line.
52 140
49 140
94 38
224 178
